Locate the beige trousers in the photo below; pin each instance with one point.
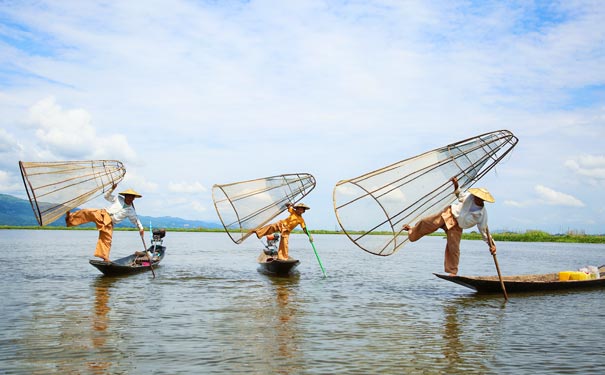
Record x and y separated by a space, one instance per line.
446 221
104 224
282 251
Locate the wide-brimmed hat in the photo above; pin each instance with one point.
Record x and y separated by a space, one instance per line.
482 193
131 192
302 205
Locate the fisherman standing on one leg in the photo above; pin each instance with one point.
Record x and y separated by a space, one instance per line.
284 227
121 208
468 212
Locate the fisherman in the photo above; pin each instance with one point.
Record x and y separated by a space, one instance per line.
466 213
121 208
284 227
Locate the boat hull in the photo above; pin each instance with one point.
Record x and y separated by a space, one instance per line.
127 265
524 283
273 266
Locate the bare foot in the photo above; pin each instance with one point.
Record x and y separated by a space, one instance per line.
452 274
406 227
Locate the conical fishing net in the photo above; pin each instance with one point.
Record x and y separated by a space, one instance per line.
54 188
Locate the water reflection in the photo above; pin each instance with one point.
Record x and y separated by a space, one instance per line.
107 313
451 335
284 329
285 333
100 321
471 325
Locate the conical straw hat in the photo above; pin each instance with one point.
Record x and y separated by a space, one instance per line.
131 192
482 193
302 205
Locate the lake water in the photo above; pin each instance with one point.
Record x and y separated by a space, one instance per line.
210 311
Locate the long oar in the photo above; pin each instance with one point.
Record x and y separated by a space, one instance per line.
148 255
491 242
315 251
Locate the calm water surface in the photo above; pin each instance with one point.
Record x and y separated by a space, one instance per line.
210 311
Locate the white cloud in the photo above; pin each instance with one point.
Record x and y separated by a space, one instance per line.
132 180
546 196
8 183
70 134
67 133
187 188
199 206
517 204
592 166
8 143
552 197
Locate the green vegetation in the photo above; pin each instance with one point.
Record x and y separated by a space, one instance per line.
528 236
539 236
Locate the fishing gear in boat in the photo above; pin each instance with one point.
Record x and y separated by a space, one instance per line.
53 188
382 201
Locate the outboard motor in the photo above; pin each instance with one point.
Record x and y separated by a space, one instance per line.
271 246
158 234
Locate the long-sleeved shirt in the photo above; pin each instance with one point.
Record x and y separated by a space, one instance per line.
293 220
469 214
119 210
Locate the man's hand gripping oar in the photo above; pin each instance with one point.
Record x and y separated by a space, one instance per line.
314 250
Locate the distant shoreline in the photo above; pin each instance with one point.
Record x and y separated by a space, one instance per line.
528 236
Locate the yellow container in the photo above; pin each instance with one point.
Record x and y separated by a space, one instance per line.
564 275
579 276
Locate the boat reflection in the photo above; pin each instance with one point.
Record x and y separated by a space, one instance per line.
286 354
462 340
101 324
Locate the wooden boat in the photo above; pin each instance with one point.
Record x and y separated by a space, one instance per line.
268 261
137 262
273 266
525 283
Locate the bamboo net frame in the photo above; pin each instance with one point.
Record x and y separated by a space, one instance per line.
53 188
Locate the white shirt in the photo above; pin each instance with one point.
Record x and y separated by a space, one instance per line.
469 214
119 210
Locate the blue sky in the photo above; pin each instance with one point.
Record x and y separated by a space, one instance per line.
191 93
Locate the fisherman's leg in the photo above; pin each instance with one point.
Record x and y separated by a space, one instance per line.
425 226
267 229
452 250
84 216
282 252
105 236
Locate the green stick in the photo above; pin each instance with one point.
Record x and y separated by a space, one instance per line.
316 255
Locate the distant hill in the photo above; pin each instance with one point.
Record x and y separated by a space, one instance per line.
18 212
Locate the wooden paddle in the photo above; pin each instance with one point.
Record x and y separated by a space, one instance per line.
491 242
148 255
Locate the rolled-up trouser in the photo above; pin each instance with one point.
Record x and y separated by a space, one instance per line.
102 220
446 221
282 251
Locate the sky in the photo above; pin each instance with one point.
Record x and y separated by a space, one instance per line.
188 94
